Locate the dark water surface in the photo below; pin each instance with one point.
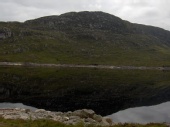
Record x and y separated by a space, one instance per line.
16 105
157 113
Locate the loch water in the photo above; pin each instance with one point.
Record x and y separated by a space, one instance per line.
146 114
16 105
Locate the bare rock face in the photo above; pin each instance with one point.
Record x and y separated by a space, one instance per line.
85 116
106 121
97 118
84 113
5 33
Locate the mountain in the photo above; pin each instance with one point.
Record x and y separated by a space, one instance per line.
84 38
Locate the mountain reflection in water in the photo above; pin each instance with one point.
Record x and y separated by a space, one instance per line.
148 114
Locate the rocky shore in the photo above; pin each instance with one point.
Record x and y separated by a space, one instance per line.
85 116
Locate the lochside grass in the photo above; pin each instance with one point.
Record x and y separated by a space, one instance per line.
50 123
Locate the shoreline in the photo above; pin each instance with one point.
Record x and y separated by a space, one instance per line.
85 116
30 64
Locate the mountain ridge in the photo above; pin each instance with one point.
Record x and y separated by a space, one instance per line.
102 18
84 38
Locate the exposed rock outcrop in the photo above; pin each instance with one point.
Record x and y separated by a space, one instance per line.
5 33
85 116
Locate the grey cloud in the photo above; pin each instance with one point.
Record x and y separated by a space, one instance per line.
151 14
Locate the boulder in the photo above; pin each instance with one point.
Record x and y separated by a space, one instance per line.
97 118
69 113
58 113
88 112
25 110
11 116
72 122
84 113
57 118
24 116
74 117
40 111
106 121
77 113
90 121
66 118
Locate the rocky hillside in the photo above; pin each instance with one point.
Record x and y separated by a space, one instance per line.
89 23
84 38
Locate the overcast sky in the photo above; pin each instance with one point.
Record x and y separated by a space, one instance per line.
150 12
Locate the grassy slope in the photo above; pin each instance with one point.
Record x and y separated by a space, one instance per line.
57 47
42 50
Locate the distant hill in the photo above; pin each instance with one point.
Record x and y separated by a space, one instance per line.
84 38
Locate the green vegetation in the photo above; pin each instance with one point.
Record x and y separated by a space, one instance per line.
50 123
42 50
85 38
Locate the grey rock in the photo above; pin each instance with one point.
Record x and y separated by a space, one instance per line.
90 120
69 113
39 110
74 117
58 113
88 113
70 122
57 118
66 118
5 33
106 121
27 110
84 113
2 36
97 118
77 113
24 116
11 116
85 116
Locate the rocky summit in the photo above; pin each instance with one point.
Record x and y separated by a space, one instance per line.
71 118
